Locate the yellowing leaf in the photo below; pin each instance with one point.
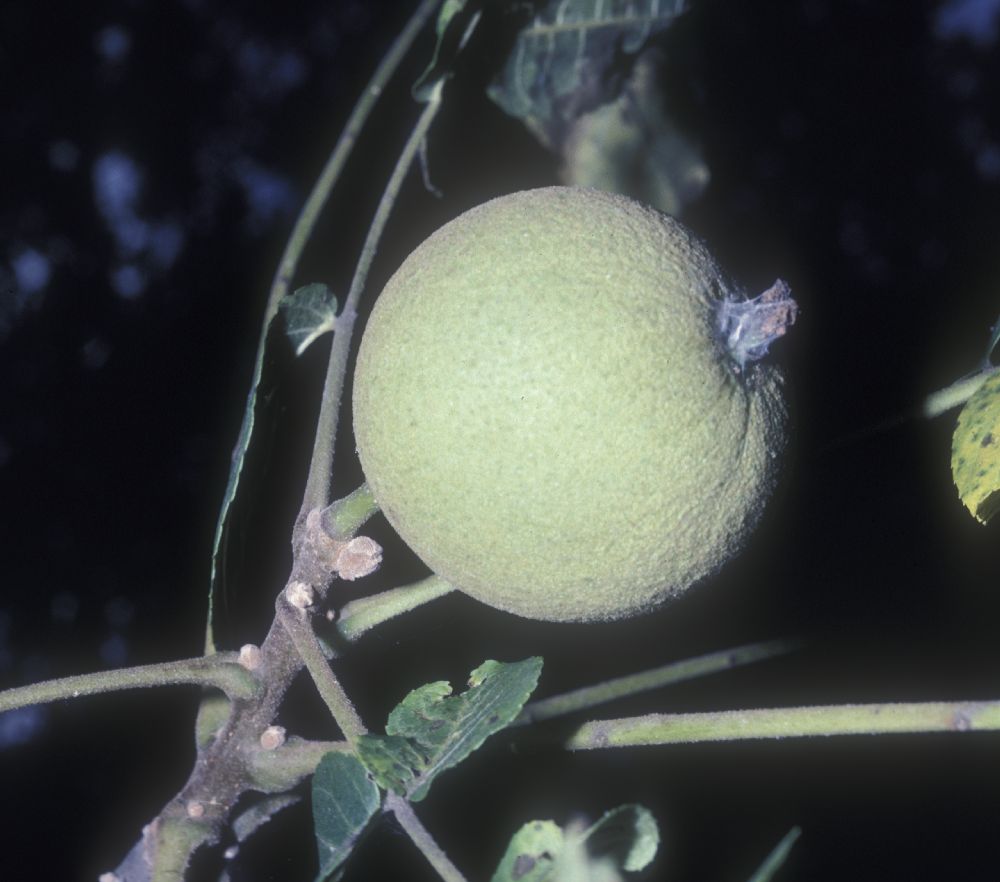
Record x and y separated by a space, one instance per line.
975 451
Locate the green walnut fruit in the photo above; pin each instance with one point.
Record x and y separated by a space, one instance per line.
555 406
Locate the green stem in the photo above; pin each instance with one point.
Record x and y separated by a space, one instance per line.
779 854
676 672
171 844
363 614
301 233
422 838
221 671
281 769
335 164
344 517
795 722
296 623
957 393
317 493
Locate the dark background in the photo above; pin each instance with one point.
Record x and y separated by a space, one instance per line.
154 157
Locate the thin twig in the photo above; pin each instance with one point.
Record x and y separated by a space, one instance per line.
344 517
321 190
220 776
286 766
633 684
422 839
793 722
957 393
222 671
300 629
318 483
365 613
302 232
777 857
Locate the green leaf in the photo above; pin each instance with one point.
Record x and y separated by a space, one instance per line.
309 312
431 730
631 145
532 853
776 859
564 62
625 839
255 413
627 834
344 800
456 21
975 451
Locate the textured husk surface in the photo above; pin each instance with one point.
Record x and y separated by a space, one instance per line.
546 416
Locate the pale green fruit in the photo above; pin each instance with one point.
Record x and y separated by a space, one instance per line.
547 411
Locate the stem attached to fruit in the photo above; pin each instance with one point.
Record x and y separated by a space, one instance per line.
223 671
220 776
676 672
317 493
796 722
345 516
321 190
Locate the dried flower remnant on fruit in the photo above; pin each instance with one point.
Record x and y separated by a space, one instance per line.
749 327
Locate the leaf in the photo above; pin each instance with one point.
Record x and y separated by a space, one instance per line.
532 853
309 312
631 145
344 800
776 859
455 23
306 311
625 839
628 834
431 730
975 451
564 62
257 400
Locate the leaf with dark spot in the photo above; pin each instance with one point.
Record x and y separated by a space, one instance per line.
625 839
432 730
975 455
